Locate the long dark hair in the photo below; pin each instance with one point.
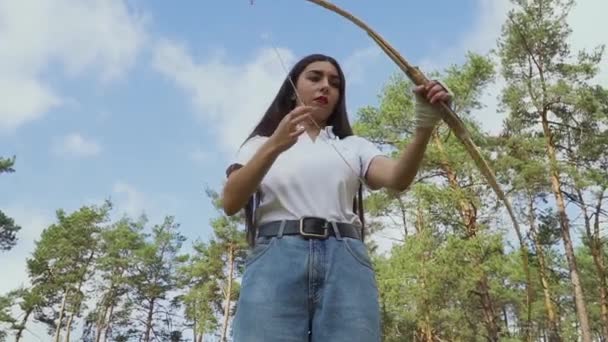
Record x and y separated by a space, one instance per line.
283 103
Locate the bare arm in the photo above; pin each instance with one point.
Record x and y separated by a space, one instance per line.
399 174
242 183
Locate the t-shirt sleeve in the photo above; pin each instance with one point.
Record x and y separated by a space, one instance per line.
367 152
245 153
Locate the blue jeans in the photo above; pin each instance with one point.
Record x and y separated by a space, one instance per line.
297 290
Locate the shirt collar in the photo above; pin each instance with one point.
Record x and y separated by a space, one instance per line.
325 133
329 132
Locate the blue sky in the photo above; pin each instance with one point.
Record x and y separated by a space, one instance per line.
144 102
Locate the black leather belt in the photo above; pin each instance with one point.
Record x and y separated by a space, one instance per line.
309 227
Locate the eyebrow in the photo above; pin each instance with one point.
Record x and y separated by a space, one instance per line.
319 72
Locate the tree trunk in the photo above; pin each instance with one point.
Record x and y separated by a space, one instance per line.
108 324
554 335
149 321
194 331
61 312
101 324
526 266
542 108
426 329
597 248
76 309
548 299
598 260
505 317
489 314
228 292
468 214
19 333
68 327
402 207
579 297
79 298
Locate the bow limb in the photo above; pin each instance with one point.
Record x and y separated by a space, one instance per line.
448 115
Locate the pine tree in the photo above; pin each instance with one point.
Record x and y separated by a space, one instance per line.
541 81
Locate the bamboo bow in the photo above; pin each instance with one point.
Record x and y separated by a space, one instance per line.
448 115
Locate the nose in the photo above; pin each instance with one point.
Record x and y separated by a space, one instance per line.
325 85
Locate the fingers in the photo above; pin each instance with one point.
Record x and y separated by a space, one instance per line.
439 96
297 123
298 111
296 117
299 130
300 118
433 92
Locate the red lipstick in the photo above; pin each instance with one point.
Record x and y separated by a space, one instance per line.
321 99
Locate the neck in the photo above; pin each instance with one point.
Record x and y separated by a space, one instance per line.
313 130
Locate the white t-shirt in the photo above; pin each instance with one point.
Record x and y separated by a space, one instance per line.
311 179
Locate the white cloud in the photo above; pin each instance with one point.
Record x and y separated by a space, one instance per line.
230 97
199 156
127 199
32 222
14 262
233 97
23 100
130 200
392 233
355 65
35 36
75 145
589 30
481 38
489 116
491 15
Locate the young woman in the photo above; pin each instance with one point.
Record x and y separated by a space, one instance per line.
308 276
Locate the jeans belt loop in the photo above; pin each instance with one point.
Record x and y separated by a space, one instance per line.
281 228
334 226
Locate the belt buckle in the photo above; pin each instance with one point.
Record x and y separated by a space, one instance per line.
305 234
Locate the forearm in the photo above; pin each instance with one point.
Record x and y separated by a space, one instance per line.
408 163
242 183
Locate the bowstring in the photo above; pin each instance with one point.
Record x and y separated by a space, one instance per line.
320 135
299 98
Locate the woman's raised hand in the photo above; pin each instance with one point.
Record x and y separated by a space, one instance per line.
427 96
289 129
